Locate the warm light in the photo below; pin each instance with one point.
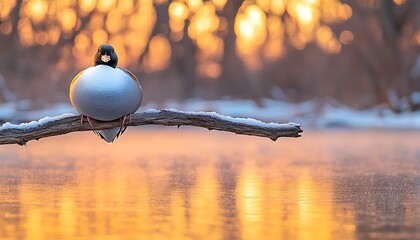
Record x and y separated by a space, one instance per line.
255 15
26 32
99 36
177 29
113 21
41 38
345 12
245 29
304 12
251 25
203 30
5 7
324 34
264 4
399 2
136 44
213 70
87 5
6 27
208 208
68 19
273 50
311 2
346 37
210 43
126 6
326 40
219 4
71 191
53 35
143 19
37 9
203 21
176 26
277 7
105 5
251 31
207 24
308 205
96 21
82 42
259 26
178 10
207 9
159 53
194 5
417 37
249 202
117 41
275 27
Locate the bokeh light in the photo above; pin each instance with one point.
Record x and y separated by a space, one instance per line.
259 27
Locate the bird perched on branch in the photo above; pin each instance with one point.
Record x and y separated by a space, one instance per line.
106 92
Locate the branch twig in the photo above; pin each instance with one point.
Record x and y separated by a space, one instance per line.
53 126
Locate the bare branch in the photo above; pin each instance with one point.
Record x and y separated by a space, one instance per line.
53 126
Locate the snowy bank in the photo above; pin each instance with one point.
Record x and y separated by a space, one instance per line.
309 113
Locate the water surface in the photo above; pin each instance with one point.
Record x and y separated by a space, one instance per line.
163 183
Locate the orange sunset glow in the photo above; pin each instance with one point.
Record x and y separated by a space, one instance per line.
218 48
134 190
168 196
209 119
129 25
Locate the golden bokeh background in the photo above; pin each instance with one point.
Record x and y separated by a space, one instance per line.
210 49
128 26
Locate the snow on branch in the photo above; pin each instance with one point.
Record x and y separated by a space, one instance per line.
66 123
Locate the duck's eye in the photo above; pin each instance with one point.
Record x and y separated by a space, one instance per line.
99 50
112 50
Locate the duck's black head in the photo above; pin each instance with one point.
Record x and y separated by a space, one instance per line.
106 55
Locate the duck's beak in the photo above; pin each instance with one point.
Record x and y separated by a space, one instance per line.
105 57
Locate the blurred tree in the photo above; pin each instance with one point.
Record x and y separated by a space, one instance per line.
360 52
386 48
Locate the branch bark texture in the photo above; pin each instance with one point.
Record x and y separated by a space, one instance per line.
53 126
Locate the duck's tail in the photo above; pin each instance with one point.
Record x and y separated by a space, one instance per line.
109 135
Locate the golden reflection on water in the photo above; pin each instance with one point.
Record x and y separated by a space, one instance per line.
184 184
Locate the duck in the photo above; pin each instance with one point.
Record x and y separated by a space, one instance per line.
105 92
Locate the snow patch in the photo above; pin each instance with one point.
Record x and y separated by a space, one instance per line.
310 114
247 121
151 111
33 124
415 97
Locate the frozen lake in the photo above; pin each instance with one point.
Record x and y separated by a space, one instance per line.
164 183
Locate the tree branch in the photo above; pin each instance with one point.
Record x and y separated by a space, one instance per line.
66 123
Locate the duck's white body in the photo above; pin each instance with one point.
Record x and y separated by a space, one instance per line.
105 93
